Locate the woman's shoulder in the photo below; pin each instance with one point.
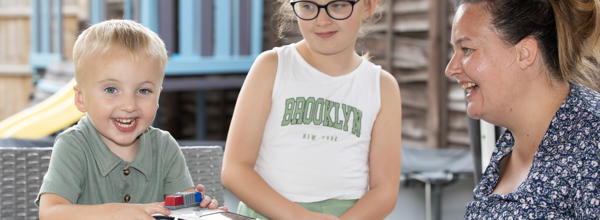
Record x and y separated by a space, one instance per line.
584 100
580 123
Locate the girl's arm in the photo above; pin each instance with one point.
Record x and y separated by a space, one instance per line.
384 157
243 142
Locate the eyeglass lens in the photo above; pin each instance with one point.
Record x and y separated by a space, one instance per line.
308 10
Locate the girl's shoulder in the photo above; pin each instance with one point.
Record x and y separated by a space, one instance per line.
265 65
388 82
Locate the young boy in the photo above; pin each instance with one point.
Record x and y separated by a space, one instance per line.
112 161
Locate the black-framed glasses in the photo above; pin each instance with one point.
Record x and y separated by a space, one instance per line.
338 10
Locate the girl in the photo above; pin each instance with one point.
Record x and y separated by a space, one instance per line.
316 129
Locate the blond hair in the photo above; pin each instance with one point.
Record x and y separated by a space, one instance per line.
578 32
128 35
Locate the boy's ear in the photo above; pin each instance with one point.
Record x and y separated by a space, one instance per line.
526 51
78 99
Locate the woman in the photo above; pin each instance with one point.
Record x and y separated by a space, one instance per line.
520 63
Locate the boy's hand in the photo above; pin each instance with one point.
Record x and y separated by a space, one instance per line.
140 211
53 206
208 202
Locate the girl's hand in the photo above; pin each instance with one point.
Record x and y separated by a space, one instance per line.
207 201
322 216
304 214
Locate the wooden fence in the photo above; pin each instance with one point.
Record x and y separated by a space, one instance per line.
15 85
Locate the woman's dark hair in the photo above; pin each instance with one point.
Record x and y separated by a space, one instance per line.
567 33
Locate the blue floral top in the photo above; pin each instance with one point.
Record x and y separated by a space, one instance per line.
564 180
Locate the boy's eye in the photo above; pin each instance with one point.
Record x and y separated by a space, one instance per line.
144 91
110 90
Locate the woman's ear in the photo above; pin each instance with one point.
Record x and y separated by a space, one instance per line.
527 50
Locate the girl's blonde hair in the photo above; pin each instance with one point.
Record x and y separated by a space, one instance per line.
108 35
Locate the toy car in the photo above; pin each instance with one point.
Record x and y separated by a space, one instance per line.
183 200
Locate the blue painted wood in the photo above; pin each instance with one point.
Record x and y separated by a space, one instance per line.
236 27
186 28
45 26
222 28
42 60
128 10
148 14
58 28
256 39
41 50
226 58
226 36
208 65
97 11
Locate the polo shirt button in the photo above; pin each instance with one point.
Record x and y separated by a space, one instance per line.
127 198
126 172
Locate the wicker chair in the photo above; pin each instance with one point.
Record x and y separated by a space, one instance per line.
22 170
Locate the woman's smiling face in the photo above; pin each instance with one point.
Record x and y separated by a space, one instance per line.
482 63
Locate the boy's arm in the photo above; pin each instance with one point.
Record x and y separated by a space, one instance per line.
178 178
64 175
176 173
384 157
53 206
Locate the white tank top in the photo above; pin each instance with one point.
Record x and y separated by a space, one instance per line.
316 140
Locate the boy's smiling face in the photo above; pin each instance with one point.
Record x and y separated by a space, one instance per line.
120 95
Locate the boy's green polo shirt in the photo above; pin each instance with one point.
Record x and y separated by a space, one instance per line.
84 171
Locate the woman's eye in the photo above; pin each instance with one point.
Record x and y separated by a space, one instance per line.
110 90
467 50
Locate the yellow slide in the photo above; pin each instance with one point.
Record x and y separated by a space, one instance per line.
45 118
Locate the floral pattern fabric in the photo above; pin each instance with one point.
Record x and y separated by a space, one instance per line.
564 181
